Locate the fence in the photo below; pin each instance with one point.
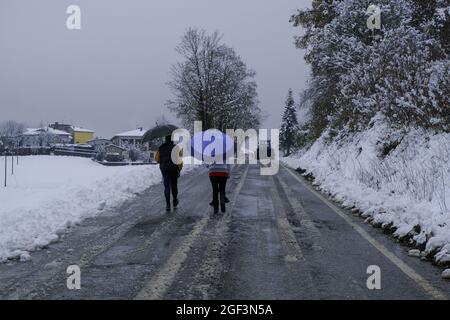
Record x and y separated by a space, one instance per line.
74 151
14 156
58 150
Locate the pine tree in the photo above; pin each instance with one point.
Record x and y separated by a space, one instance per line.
324 76
400 71
289 126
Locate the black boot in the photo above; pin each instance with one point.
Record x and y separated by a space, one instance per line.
226 199
175 203
216 207
168 206
222 207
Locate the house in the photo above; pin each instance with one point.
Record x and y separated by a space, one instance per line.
131 139
61 126
79 135
41 137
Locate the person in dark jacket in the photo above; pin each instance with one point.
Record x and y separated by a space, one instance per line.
170 171
218 175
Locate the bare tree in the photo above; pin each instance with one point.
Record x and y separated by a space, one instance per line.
10 132
212 84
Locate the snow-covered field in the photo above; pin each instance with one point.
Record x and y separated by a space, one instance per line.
398 180
47 194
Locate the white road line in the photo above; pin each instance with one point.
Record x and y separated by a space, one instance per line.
203 278
435 293
117 232
156 287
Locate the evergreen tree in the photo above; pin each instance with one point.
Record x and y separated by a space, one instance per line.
400 71
433 17
289 126
319 95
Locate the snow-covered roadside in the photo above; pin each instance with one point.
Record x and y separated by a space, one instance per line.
47 194
398 180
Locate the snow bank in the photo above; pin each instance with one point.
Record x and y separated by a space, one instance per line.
398 179
46 194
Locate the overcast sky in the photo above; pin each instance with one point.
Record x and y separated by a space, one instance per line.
111 76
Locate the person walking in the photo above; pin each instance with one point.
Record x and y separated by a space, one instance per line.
169 170
218 175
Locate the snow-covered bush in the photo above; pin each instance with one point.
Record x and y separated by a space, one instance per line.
379 112
398 178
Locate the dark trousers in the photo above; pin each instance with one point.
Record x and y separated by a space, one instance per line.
170 184
218 186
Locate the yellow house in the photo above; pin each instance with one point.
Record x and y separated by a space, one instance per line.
81 135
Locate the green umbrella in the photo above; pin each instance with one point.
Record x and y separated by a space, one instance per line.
158 132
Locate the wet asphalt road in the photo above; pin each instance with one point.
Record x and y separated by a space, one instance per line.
278 240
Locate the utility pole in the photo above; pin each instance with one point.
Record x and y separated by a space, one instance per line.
6 166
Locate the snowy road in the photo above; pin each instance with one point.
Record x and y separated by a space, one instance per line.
278 240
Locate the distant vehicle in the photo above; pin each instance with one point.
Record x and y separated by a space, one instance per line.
269 150
113 153
114 157
251 154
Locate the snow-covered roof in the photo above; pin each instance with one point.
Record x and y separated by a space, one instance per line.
139 132
99 140
37 131
78 129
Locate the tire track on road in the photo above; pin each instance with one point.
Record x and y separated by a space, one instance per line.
289 242
95 246
160 282
299 265
302 216
204 278
425 285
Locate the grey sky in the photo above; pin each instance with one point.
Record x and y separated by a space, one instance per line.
111 76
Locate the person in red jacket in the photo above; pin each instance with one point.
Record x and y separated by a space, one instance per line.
218 175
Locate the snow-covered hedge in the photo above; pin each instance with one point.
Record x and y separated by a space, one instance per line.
399 179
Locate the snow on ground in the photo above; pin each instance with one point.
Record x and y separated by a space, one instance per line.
47 194
398 179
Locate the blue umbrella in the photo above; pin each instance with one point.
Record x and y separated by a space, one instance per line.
212 145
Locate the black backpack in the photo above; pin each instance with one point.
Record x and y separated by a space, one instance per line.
165 157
